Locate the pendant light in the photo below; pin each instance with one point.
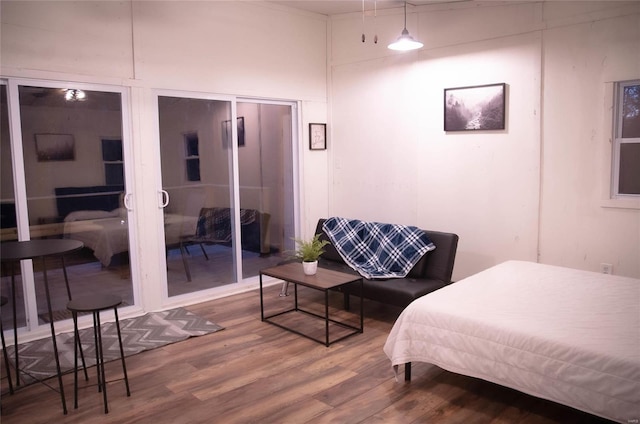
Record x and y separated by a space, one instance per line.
405 42
74 95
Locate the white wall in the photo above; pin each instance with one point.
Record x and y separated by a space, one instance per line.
507 194
579 228
226 48
536 185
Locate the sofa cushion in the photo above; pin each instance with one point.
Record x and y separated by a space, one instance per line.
418 269
395 291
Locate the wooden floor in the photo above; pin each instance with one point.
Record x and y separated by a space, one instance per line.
254 372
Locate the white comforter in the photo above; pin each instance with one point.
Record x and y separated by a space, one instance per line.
107 232
566 335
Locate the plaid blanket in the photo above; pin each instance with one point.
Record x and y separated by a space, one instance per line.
377 250
214 224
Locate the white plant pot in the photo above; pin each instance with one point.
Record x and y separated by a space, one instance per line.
310 268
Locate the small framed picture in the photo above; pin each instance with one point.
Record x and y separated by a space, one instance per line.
481 107
55 147
317 136
226 133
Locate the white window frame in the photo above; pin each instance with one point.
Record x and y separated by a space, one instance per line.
188 158
618 141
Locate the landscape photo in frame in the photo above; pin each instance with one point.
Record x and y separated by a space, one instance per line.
475 108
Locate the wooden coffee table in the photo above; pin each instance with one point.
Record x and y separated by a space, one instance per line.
324 280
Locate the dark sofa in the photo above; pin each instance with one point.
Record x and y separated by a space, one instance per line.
432 272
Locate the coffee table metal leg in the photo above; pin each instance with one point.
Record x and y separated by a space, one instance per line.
361 306
326 316
261 301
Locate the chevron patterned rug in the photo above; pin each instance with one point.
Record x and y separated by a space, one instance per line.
146 332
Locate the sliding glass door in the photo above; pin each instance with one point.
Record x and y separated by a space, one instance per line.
223 175
265 175
66 157
65 179
196 178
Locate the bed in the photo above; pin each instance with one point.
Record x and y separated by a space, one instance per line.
104 232
565 335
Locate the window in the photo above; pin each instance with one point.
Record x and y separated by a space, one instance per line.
192 156
112 158
626 155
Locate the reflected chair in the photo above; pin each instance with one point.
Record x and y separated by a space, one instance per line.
182 223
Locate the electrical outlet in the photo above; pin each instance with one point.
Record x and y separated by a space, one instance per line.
606 268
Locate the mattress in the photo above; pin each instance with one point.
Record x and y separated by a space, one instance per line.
565 335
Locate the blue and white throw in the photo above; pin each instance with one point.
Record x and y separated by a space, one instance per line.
377 250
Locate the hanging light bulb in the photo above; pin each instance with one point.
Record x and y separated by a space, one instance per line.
405 42
73 95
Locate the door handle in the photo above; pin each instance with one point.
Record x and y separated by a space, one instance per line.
164 198
127 201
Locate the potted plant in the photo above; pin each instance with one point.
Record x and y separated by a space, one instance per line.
309 251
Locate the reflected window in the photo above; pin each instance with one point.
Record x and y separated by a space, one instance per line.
192 160
113 165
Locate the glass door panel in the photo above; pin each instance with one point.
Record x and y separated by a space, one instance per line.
265 184
195 152
206 207
8 221
75 185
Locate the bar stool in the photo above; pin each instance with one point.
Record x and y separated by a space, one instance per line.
4 301
94 304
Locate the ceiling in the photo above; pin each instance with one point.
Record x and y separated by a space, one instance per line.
334 7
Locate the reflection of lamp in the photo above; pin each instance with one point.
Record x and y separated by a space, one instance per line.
73 95
405 42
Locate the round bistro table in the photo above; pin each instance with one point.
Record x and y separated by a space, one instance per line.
13 252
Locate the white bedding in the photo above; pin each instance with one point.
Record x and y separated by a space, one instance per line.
566 335
107 233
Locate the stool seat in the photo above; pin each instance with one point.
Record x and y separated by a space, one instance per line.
94 302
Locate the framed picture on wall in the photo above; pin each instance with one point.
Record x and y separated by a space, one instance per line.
476 108
226 132
55 147
317 136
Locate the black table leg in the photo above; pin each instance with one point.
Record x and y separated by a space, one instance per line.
15 321
326 316
53 335
261 301
5 354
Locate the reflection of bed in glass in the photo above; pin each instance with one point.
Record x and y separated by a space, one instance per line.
95 216
106 233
